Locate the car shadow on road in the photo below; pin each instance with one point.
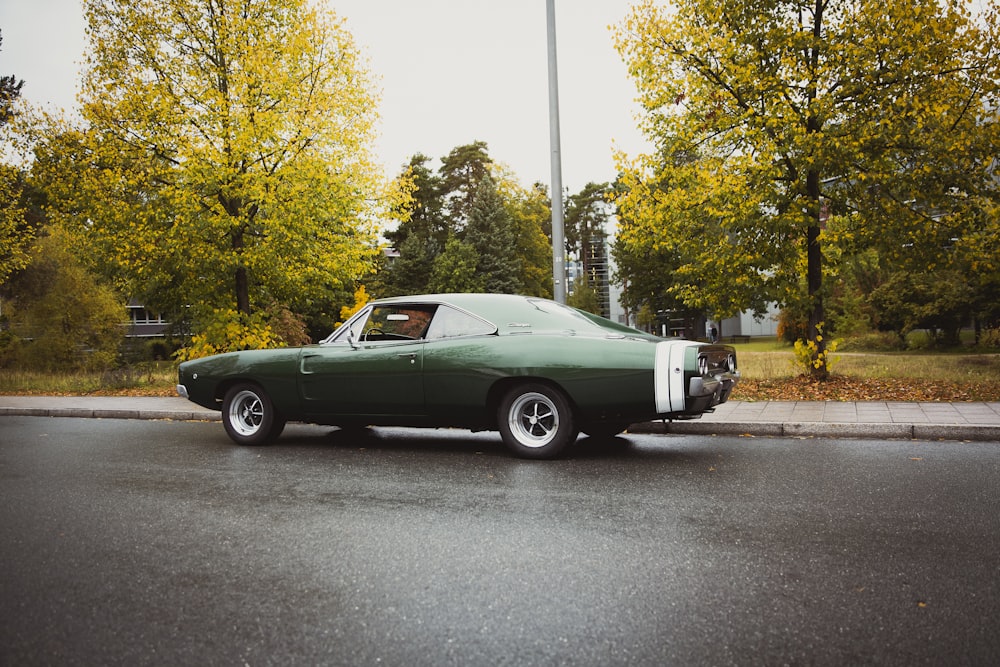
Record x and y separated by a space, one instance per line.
392 439
486 443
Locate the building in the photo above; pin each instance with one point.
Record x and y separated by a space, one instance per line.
143 323
746 324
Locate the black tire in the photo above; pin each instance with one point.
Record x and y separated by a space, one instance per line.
249 415
536 421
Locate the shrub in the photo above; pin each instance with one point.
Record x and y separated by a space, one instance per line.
65 318
792 325
227 330
990 338
809 357
874 341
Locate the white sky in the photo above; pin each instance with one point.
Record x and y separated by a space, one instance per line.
451 72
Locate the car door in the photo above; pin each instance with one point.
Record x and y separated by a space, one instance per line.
460 366
378 372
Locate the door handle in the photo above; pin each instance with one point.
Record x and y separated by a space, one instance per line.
302 363
412 356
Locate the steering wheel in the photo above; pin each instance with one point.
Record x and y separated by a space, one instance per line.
373 330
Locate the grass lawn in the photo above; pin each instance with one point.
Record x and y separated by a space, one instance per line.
770 373
148 379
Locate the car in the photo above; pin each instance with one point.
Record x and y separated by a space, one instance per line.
537 371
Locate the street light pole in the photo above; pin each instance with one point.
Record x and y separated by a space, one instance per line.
558 239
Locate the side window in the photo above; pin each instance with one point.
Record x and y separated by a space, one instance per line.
449 323
396 323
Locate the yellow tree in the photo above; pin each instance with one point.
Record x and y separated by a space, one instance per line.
530 215
226 161
15 234
770 116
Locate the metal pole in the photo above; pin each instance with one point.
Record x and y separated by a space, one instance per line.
558 238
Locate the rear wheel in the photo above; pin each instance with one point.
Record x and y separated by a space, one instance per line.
249 415
535 421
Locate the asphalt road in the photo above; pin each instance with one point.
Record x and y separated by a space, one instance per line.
160 543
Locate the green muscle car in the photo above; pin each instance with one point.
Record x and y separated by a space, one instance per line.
536 371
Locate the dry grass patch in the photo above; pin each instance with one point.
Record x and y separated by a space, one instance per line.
771 375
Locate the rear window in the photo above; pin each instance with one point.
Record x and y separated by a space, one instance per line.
451 323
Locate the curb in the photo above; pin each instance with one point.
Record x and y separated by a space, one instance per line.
897 431
98 413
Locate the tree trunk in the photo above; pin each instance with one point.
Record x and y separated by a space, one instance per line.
242 291
814 253
814 278
242 284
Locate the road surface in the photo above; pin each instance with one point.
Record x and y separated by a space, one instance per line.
156 542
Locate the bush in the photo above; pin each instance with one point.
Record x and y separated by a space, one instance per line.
938 302
990 338
792 325
809 357
875 341
227 330
64 318
138 350
127 377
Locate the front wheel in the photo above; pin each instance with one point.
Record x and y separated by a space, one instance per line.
535 421
249 416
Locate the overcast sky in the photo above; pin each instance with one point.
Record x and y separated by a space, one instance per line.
450 71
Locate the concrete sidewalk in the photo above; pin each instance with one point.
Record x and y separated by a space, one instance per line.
849 419
875 419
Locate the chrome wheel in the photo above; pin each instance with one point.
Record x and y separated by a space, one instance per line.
246 413
249 416
535 421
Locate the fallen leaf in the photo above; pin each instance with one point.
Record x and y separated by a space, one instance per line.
849 388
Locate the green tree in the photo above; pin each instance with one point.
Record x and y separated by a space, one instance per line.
226 163
10 90
455 269
421 235
643 272
587 214
937 301
492 235
461 171
66 318
585 297
530 214
652 275
769 117
475 204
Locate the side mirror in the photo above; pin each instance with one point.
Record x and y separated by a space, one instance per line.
352 340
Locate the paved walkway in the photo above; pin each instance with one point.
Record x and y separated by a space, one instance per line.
875 419
860 419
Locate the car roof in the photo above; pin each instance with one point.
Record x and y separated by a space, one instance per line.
516 313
